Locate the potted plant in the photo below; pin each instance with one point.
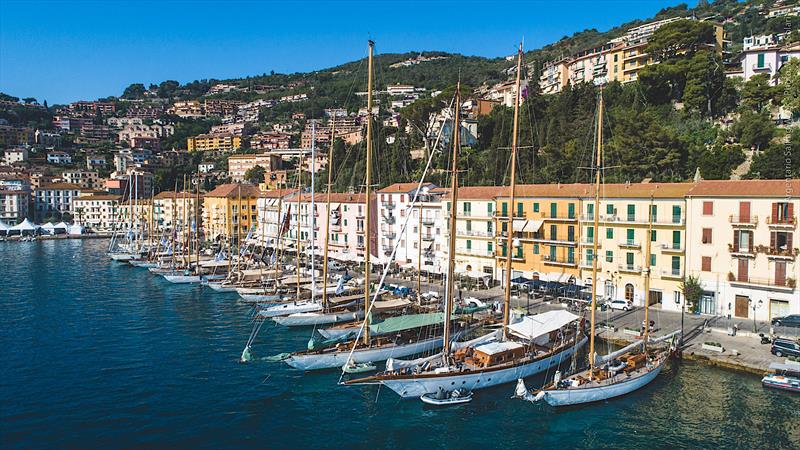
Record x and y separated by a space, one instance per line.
713 346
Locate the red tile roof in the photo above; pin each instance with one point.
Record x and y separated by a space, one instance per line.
232 191
746 188
402 188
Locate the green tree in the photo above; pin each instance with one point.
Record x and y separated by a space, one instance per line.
757 93
778 161
754 130
692 292
681 36
790 85
255 175
134 91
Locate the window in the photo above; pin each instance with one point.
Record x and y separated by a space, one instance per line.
571 233
609 256
589 234
553 209
589 256
676 265
676 239
705 264
469 225
629 235
571 210
489 247
489 227
652 260
571 255
654 213
590 211
676 214
629 259
520 210
467 208
536 207
706 236
505 209
535 249
609 233
553 233
489 208
652 235
708 208
552 253
610 209
631 213
469 244
760 63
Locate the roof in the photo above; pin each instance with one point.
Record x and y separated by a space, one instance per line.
583 190
746 188
232 190
493 348
402 188
336 197
98 197
531 327
169 195
275 193
59 186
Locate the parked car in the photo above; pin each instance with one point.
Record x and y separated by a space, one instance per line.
785 347
623 305
792 320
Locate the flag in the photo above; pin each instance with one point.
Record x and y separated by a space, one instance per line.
285 222
340 286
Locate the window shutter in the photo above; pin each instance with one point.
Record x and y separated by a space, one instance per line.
772 236
774 213
790 212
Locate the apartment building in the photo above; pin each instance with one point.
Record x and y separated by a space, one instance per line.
767 59
15 155
59 157
97 212
55 198
744 247
171 208
475 231
230 210
92 108
270 141
15 199
214 143
86 179
11 136
394 208
238 165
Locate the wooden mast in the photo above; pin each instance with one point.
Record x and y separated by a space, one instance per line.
174 233
368 218
451 263
186 254
239 229
197 224
279 236
298 247
419 256
596 233
328 219
510 231
647 272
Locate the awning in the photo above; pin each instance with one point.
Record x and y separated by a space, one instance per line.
387 305
400 323
531 327
527 226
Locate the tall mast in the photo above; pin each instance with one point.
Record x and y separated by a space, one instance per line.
313 212
596 225
186 243
328 212
298 248
368 218
197 224
451 263
174 233
510 235
239 229
647 272
419 255
279 235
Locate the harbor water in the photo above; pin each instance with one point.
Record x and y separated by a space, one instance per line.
99 354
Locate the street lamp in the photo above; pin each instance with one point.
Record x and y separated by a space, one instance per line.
754 306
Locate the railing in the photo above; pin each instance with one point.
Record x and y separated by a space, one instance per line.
778 252
630 268
672 273
474 233
787 282
738 249
586 264
428 221
428 237
388 205
546 215
389 234
389 219
747 221
630 243
672 247
475 252
765 67
782 222
559 262
587 241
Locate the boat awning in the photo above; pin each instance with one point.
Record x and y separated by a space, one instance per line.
531 327
527 226
400 323
493 348
386 305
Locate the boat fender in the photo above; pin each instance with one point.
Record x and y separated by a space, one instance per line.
247 356
521 390
539 396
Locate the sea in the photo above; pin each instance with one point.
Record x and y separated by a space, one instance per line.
99 354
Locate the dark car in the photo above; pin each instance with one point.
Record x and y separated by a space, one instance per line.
785 347
792 320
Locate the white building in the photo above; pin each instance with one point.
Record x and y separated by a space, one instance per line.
767 59
54 198
15 155
59 158
96 212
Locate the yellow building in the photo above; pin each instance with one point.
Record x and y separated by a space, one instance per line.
230 210
545 231
214 143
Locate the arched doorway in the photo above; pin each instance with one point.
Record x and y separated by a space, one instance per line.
629 292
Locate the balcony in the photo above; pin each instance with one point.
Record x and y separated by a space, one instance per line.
428 221
787 284
428 237
672 248
360 230
630 268
587 264
387 250
778 252
674 274
388 205
765 68
474 233
560 262
389 219
559 217
475 252
630 243
588 242
785 223
739 250
743 221
389 234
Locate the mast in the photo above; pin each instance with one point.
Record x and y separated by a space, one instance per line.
647 272
174 225
368 218
186 242
313 212
197 224
451 263
279 235
239 229
510 236
328 219
596 225
298 248
419 255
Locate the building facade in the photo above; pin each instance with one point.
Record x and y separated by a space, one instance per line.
230 210
97 212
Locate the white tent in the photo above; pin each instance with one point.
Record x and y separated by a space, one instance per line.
61 226
49 228
76 229
532 327
3 227
24 227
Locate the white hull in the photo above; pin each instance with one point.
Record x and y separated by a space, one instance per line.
252 290
335 333
417 387
219 287
332 360
145 264
564 397
122 256
182 279
316 318
254 298
285 309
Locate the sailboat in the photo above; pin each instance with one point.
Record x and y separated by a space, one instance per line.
624 370
530 346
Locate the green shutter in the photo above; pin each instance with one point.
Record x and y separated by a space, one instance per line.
489 247
609 233
631 212
652 260
630 233
676 239
536 207
520 211
676 214
469 225
609 256
590 211
570 255
610 209
535 249
629 259
552 253
505 209
469 244
654 213
590 234
553 209
571 210
676 265
571 233
760 63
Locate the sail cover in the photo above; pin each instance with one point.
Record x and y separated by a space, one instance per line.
531 327
400 323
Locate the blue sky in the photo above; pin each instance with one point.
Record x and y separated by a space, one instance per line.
64 51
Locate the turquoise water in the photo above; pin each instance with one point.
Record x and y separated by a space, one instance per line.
101 354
